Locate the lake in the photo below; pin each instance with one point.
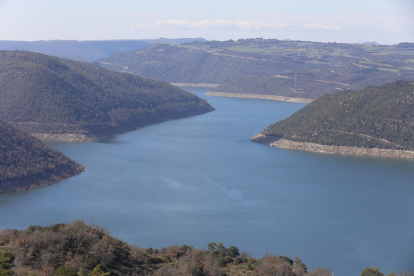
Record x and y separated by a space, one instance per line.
199 180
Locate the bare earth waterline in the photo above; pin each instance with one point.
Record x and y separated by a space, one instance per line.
199 179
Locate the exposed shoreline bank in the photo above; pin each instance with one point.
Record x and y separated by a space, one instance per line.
64 137
260 96
110 132
318 148
196 84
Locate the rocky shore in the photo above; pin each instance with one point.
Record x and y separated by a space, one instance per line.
64 137
196 84
260 96
312 147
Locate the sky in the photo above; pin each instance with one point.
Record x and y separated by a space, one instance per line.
350 21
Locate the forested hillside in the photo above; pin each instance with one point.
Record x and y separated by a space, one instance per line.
49 95
375 117
255 65
27 163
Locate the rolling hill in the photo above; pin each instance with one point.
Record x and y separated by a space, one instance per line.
270 67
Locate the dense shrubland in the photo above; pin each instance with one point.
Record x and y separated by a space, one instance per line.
80 249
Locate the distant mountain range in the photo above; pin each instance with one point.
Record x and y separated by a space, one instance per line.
270 67
62 99
27 163
86 50
376 121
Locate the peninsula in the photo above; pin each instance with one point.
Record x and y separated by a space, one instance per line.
60 99
375 121
27 163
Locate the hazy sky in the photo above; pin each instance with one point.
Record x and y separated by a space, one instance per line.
383 21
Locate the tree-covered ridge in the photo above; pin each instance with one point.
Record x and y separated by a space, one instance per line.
374 117
320 67
28 163
44 94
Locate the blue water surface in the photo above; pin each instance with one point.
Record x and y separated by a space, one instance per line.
198 180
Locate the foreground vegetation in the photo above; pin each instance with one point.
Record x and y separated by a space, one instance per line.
27 163
44 94
375 117
79 249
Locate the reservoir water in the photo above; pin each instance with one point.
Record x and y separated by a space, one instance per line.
198 180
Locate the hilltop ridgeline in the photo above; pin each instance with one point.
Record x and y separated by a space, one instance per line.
55 97
85 50
372 118
270 67
27 163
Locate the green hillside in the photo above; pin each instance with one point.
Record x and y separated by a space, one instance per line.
249 65
27 163
44 94
375 117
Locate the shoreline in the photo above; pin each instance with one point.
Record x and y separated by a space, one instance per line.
195 84
329 149
133 126
260 96
41 179
70 137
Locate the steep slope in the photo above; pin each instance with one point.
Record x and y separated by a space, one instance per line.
27 163
57 98
371 118
249 66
